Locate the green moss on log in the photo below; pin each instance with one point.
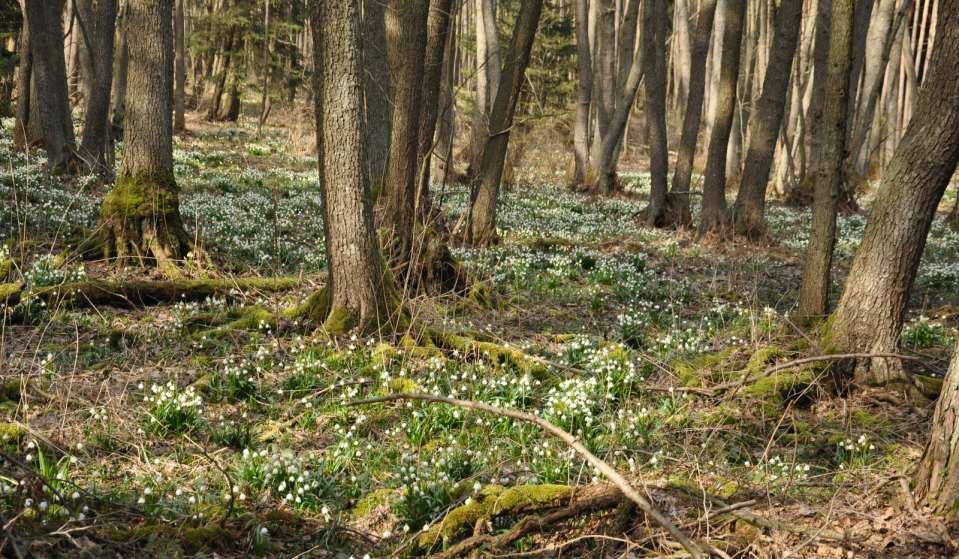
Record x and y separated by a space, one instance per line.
141 196
492 501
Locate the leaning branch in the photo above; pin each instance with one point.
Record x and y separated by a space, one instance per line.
618 480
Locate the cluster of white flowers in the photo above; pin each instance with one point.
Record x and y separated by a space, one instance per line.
50 270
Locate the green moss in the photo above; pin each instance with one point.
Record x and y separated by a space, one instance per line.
10 291
761 358
492 501
499 354
193 539
339 321
11 433
773 390
140 196
372 501
930 387
691 372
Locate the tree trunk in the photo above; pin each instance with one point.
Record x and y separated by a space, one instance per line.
141 214
406 43
179 70
357 291
96 143
49 75
765 123
937 481
481 227
222 62
713 215
606 170
584 93
654 45
870 312
230 107
443 152
376 90
488 75
21 127
814 292
678 200
802 195
121 65
604 96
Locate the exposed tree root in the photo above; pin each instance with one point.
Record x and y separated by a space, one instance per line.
496 501
138 293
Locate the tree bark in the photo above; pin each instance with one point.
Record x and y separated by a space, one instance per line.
481 227
937 481
357 291
406 26
96 143
488 76
121 65
376 88
49 75
654 45
802 195
765 123
141 214
605 69
870 312
179 69
584 93
21 127
678 199
814 292
713 217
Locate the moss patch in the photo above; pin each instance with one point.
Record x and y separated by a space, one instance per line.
492 501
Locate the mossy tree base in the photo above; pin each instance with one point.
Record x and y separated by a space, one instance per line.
142 224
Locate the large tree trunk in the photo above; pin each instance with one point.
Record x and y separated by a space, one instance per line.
678 200
358 289
376 89
96 143
406 27
49 70
814 292
654 45
765 123
221 70
179 69
481 227
937 481
230 106
871 310
584 92
713 217
141 214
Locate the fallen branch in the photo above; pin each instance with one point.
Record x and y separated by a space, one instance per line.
615 477
814 359
138 293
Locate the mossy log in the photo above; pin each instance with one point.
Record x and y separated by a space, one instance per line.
499 354
138 293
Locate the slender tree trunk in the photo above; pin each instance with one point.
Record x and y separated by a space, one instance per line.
141 214
488 72
443 152
678 200
481 229
870 312
654 41
96 144
230 106
713 215
21 128
179 69
765 123
121 64
814 292
406 42
377 90
584 92
606 172
802 195
358 291
49 76
605 69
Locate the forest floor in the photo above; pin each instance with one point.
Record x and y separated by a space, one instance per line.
220 427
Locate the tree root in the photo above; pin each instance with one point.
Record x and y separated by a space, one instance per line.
138 293
577 501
